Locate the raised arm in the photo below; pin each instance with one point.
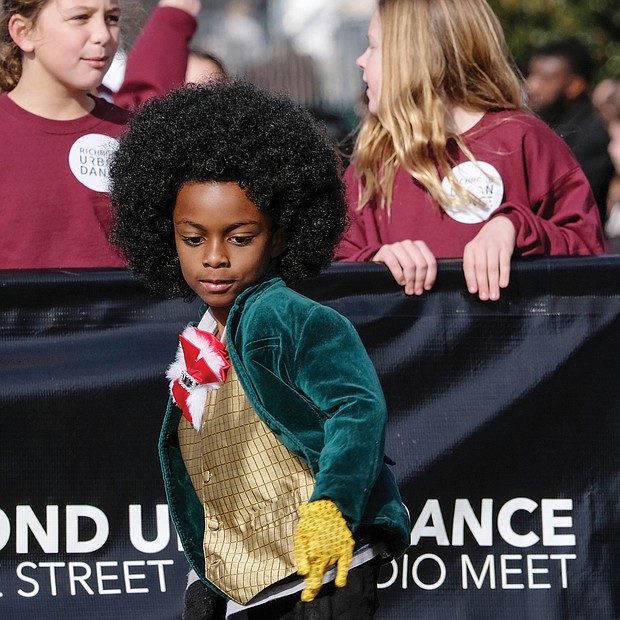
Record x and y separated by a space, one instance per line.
157 62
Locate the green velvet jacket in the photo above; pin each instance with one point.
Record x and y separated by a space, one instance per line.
304 368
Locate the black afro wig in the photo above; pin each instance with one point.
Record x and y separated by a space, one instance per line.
227 131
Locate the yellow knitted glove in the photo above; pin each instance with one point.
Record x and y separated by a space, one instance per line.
322 539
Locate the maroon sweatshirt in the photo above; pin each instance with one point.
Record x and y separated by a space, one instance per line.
53 188
523 171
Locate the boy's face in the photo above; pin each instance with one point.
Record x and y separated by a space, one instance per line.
223 241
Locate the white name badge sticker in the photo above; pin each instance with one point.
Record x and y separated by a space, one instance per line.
481 180
89 160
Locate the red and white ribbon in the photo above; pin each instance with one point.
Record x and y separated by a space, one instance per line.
199 367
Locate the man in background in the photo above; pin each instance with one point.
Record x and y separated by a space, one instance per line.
559 80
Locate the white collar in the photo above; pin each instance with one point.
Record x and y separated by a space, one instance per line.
209 324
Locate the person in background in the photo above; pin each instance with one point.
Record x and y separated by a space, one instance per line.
612 226
272 446
558 81
449 163
600 96
604 100
56 136
203 67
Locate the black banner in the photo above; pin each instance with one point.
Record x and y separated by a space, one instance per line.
504 425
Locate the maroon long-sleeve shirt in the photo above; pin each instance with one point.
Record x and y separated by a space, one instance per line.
523 170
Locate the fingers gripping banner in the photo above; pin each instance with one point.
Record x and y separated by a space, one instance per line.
504 426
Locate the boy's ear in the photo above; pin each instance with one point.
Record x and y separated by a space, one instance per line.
20 30
278 243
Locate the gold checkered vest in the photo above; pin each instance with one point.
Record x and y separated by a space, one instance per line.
250 486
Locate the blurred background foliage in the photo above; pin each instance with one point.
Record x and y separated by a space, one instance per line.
528 24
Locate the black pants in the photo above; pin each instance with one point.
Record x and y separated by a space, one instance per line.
356 601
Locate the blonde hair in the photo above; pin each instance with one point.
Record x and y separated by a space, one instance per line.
11 54
434 53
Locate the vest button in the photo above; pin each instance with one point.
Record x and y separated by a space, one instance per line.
213 524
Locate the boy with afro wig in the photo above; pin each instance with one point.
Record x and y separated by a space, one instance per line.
272 446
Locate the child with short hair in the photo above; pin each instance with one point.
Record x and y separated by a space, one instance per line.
448 163
272 446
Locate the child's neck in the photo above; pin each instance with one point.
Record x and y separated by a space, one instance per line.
58 104
220 315
459 119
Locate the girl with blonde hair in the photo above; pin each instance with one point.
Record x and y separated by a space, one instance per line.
449 162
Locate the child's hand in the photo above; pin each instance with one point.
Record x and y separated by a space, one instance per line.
322 539
411 263
192 7
486 258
